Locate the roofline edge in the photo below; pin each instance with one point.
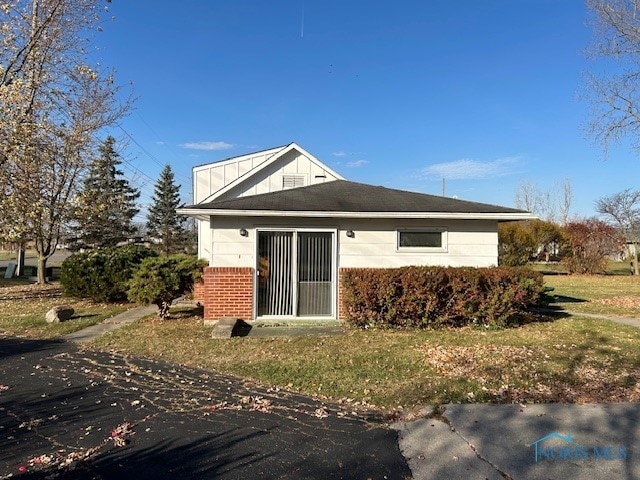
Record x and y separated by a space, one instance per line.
504 217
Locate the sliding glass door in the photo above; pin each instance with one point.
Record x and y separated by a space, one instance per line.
296 271
275 278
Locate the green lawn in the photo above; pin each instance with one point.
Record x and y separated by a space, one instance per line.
614 267
10 255
570 359
600 294
567 360
26 317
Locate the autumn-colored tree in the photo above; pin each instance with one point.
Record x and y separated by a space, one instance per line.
588 245
52 102
519 242
547 237
516 245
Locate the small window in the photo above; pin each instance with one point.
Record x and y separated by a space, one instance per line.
292 181
421 239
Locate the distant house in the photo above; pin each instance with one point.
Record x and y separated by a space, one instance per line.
278 227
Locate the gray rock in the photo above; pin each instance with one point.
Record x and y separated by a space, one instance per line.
60 313
10 271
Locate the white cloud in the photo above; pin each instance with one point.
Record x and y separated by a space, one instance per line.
468 169
339 154
356 164
207 145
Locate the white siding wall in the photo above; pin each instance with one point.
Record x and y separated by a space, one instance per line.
205 239
470 242
208 179
270 179
230 249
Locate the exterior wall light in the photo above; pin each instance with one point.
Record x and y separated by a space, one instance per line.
243 232
350 234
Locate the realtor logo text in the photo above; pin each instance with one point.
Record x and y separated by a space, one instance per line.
572 451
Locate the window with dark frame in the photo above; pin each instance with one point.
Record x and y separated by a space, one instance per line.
420 239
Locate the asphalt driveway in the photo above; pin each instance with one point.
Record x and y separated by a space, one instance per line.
76 413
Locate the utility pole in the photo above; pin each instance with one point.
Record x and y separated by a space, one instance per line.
443 186
20 260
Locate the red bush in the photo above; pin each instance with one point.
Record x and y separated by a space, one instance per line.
432 297
589 244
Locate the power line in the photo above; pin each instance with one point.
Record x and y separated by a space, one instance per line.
164 144
146 152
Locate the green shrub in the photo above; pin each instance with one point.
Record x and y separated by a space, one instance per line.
102 274
516 245
160 280
433 297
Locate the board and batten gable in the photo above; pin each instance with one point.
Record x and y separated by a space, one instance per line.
292 166
261 172
373 245
209 179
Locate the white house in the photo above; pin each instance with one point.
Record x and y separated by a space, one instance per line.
278 227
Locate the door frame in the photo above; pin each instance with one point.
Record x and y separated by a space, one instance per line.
334 272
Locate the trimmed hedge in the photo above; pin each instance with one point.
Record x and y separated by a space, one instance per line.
103 274
434 297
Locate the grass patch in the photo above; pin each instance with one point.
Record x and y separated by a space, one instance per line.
598 294
11 255
614 267
568 360
25 317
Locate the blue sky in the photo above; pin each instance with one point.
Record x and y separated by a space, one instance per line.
485 93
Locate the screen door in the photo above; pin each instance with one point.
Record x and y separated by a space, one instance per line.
295 274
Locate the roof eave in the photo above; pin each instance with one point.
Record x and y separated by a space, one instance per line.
501 217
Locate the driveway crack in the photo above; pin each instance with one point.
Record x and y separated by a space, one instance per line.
473 448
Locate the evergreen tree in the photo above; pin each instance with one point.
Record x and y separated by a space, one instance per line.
107 203
164 225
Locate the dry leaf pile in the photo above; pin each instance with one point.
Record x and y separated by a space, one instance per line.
510 374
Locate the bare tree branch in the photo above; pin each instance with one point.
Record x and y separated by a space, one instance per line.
624 209
614 96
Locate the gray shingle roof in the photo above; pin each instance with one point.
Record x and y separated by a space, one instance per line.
345 196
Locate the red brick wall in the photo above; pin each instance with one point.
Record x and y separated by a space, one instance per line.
198 292
228 292
341 309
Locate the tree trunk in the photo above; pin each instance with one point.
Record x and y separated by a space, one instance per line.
42 269
163 309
